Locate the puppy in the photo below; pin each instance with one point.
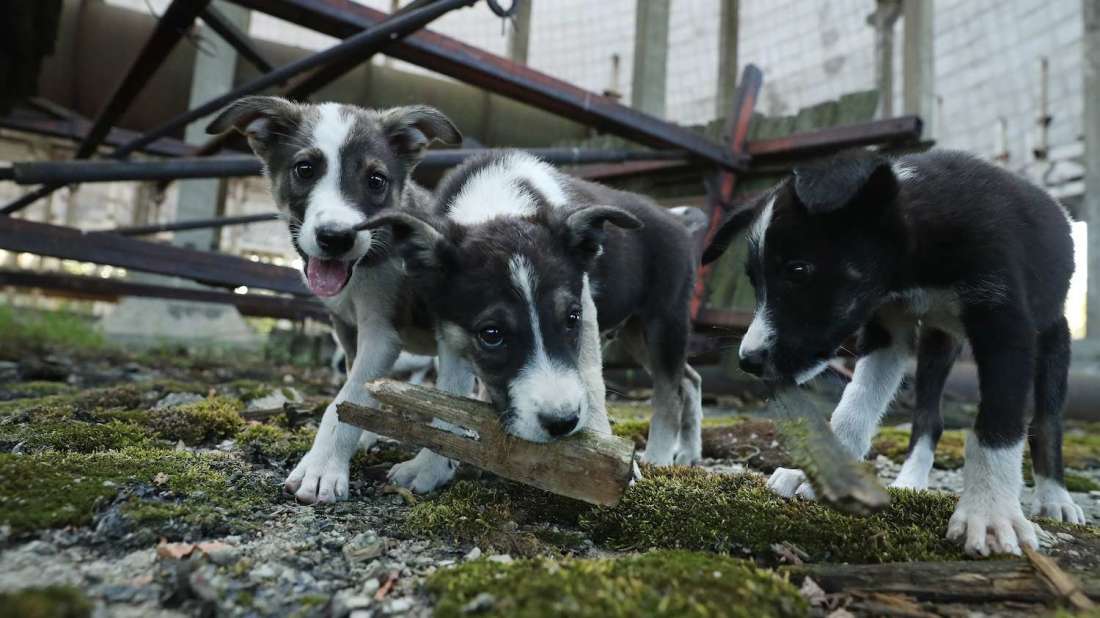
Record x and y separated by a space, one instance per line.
524 275
331 167
950 244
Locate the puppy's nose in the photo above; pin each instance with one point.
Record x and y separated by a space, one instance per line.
752 361
558 426
335 241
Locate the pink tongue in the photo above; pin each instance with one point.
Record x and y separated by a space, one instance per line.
326 277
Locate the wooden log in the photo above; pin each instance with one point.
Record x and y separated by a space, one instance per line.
837 478
963 581
588 466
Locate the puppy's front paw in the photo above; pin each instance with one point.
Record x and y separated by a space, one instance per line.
656 456
319 478
424 473
991 526
1053 501
789 482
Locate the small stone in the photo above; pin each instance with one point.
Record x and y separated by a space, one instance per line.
172 400
41 548
399 606
264 571
501 559
483 602
346 602
364 547
224 555
1065 536
473 554
371 586
841 613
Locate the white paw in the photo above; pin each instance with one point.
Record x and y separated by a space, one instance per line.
805 491
367 441
991 526
908 481
321 478
424 473
656 456
1057 504
787 481
686 457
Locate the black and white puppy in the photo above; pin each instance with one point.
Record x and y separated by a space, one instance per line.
332 167
957 247
520 267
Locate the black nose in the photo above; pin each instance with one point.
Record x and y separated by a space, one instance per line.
558 426
335 241
753 361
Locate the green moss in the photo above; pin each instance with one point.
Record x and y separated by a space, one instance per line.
467 512
262 443
35 389
214 418
663 583
689 508
1080 447
35 331
51 602
75 436
55 489
247 390
89 402
1078 483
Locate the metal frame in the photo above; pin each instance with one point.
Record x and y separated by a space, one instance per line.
365 32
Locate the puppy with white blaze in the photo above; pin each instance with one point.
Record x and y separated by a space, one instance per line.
939 243
331 168
526 266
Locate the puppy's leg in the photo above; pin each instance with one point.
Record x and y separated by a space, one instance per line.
936 353
428 471
1045 438
988 518
591 363
875 381
322 475
691 418
666 343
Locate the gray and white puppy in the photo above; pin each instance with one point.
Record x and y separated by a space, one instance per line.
332 167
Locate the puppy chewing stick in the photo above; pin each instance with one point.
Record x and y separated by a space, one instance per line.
588 466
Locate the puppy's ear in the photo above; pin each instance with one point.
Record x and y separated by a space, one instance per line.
410 129
261 119
424 246
850 179
735 222
584 228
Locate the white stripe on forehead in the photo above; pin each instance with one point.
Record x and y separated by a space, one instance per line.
760 226
495 190
329 135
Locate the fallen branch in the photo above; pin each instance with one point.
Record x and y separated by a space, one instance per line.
588 466
838 479
963 581
1060 582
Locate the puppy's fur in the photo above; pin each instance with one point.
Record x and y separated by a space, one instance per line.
957 246
331 167
520 265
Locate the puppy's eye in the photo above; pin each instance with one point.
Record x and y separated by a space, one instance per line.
490 337
377 183
304 170
573 319
797 271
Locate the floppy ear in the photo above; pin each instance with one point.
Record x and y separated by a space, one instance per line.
737 221
410 129
421 244
584 228
846 180
260 119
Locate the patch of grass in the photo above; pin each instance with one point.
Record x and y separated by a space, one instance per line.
54 489
212 419
51 602
262 443
1080 447
662 583
690 509
75 436
35 389
472 513
36 331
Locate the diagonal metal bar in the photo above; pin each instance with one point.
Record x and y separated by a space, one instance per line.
237 38
170 28
197 224
343 18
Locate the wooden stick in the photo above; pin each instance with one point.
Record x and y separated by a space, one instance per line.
1060 582
837 478
963 581
588 466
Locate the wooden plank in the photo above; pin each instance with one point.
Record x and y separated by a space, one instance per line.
588 466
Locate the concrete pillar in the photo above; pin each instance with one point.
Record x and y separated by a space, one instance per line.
519 33
883 20
650 56
212 76
1091 122
727 55
918 89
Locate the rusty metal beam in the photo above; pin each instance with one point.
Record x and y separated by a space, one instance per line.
903 129
344 18
238 39
110 290
204 267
